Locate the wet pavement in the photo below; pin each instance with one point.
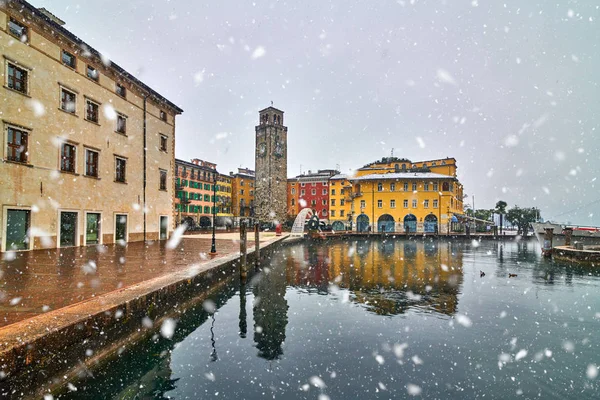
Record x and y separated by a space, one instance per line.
35 282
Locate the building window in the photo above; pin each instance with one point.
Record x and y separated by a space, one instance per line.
67 158
242 192
68 100
332 213
435 187
163 179
313 192
302 192
426 187
120 169
341 213
293 202
392 203
17 145
414 187
324 202
163 147
314 184
313 203
91 163
293 191
121 124
324 212
68 59
302 184
91 111
333 191
363 204
445 186
121 91
405 203
414 204
92 73
324 191
18 30
406 187
163 115
333 202
435 203
379 203
392 187
426 204
380 187
342 202
17 78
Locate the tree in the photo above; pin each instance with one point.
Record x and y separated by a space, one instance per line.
483 214
501 209
522 218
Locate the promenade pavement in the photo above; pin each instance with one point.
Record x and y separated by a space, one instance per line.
36 282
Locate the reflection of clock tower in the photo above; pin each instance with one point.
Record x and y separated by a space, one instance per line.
270 195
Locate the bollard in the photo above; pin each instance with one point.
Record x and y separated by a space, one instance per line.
568 236
547 248
256 246
243 266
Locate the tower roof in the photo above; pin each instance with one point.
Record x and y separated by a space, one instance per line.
270 108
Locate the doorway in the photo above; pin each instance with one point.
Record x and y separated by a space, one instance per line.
68 228
164 227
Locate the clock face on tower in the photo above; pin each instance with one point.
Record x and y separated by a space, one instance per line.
262 149
278 148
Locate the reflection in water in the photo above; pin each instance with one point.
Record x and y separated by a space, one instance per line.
388 276
243 325
152 385
270 313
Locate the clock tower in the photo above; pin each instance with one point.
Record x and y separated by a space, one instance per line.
270 194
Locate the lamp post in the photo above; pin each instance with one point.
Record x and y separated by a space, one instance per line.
213 246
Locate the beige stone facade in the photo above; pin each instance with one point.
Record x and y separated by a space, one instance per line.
271 166
74 127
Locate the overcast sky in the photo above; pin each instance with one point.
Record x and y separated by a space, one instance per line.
508 88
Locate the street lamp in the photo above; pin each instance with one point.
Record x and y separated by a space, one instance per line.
213 247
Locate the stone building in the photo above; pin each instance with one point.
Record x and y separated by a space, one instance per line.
271 166
87 148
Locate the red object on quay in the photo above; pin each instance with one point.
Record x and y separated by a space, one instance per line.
278 230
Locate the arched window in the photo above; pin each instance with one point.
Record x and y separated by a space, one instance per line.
445 187
404 167
380 187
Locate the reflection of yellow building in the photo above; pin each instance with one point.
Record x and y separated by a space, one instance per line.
387 276
397 195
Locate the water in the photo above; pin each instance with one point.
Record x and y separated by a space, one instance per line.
378 319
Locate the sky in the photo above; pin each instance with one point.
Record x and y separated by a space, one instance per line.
508 88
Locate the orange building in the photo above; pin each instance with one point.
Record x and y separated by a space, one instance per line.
242 193
292 198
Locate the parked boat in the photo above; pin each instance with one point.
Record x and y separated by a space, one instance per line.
588 235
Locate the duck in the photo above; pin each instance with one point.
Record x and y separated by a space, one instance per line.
481 274
512 275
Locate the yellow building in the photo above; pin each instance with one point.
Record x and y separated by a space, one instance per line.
397 195
242 193
87 148
224 208
340 202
